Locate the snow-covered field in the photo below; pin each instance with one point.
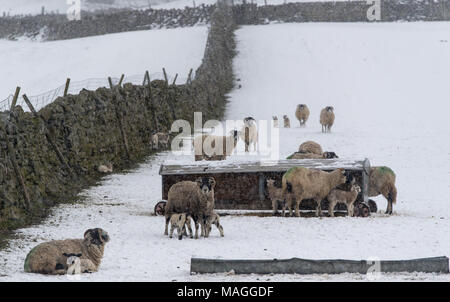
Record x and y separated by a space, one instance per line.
388 85
40 67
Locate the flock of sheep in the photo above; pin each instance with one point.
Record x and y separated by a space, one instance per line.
194 200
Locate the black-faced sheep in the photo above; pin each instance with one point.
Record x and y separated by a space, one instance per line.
346 197
213 219
179 222
48 257
249 133
105 168
196 199
310 147
275 121
160 140
76 265
276 196
287 122
300 183
302 114
327 118
225 146
382 181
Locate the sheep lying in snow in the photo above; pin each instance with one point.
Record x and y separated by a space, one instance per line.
179 222
382 181
339 196
76 265
310 147
327 118
213 219
300 183
275 121
276 196
287 122
302 114
160 140
48 257
300 155
196 199
225 147
105 168
249 133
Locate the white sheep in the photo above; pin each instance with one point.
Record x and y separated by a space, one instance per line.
213 219
327 118
224 145
105 168
179 222
160 140
249 133
275 121
276 196
346 197
287 122
76 265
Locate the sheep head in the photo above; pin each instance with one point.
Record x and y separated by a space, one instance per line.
72 258
96 236
329 155
271 182
342 176
330 108
356 188
206 184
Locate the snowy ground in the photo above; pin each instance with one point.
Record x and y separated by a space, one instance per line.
79 59
387 83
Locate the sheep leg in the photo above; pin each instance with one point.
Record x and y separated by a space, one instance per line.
188 223
331 206
351 209
274 207
172 227
167 225
389 202
196 228
318 208
219 226
297 206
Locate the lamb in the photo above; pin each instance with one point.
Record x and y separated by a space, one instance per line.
196 199
327 118
287 122
339 196
213 219
179 222
310 147
228 143
105 168
275 121
276 196
160 140
300 155
382 181
300 183
302 114
249 133
48 257
77 266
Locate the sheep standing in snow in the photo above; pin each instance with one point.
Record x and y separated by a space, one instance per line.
213 219
302 114
249 133
382 181
179 222
105 168
276 196
160 140
348 198
327 118
275 121
287 122
300 183
48 257
76 265
226 145
196 199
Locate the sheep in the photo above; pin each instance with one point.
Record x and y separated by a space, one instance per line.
75 265
327 118
339 196
160 140
196 199
382 181
300 155
249 133
213 219
275 121
287 122
179 222
228 143
301 183
276 196
310 147
105 168
48 257
302 114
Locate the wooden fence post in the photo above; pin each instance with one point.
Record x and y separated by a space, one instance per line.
12 158
66 89
189 80
165 77
121 79
111 86
146 78
175 79
47 135
16 96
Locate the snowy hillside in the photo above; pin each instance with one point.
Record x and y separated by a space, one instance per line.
39 67
388 85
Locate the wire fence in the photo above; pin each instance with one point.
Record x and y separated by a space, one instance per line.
41 100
